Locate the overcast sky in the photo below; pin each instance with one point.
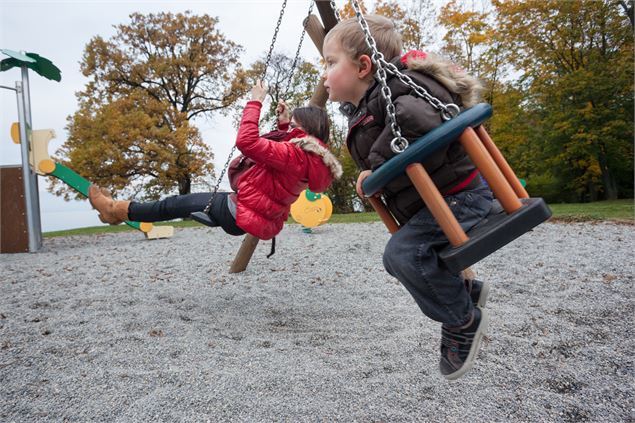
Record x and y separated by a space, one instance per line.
60 30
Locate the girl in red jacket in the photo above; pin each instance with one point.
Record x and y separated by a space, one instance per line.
281 169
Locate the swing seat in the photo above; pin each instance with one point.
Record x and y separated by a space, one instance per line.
514 212
495 231
423 147
202 217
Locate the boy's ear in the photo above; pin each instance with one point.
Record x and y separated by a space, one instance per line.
365 66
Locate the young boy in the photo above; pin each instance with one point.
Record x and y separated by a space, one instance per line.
411 253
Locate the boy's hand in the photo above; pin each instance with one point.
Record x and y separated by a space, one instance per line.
259 91
360 179
283 112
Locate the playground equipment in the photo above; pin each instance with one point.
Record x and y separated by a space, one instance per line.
519 213
43 165
31 199
35 157
311 209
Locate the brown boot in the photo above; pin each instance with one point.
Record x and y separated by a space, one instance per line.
110 211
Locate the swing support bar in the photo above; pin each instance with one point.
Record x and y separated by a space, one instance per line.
244 254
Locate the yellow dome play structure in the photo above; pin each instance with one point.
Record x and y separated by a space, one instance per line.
311 209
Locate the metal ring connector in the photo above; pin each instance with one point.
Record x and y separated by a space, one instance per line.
399 145
450 111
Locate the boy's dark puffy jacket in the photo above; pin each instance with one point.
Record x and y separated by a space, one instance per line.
369 134
282 171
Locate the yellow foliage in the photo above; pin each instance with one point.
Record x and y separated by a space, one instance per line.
146 84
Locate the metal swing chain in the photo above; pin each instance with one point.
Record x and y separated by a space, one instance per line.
337 13
208 207
275 36
448 111
398 143
297 52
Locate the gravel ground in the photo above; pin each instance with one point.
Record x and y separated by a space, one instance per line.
117 328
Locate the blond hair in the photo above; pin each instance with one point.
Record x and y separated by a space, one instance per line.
353 41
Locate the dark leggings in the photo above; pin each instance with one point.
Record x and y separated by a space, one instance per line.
180 206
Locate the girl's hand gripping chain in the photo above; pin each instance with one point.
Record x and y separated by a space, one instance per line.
282 111
259 91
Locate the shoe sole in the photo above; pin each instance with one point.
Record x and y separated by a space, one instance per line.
482 298
469 362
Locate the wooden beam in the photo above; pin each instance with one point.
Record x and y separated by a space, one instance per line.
327 14
317 33
244 254
320 96
315 30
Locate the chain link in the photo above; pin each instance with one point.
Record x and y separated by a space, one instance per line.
275 36
297 52
337 13
448 111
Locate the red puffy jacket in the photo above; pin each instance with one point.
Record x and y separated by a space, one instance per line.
283 170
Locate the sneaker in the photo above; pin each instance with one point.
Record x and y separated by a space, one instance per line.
459 347
478 291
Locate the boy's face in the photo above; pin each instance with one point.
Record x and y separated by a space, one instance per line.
345 80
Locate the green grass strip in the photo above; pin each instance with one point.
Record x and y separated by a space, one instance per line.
621 211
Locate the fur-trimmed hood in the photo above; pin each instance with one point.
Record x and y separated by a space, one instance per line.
313 145
455 79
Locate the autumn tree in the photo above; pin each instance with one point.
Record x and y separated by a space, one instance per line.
347 10
467 35
419 29
575 61
147 83
628 7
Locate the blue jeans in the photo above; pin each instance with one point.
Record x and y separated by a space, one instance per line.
180 206
411 256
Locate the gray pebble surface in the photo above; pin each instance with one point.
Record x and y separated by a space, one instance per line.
116 328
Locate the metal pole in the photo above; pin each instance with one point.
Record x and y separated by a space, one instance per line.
26 171
35 195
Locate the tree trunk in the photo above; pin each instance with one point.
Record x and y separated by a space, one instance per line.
608 180
628 6
185 185
610 185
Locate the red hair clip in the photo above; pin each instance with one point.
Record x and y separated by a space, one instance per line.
413 54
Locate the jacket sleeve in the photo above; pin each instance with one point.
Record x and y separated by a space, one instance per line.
277 155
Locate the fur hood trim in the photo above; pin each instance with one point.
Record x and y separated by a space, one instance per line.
312 145
455 79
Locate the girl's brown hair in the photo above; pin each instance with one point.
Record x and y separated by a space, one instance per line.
314 121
